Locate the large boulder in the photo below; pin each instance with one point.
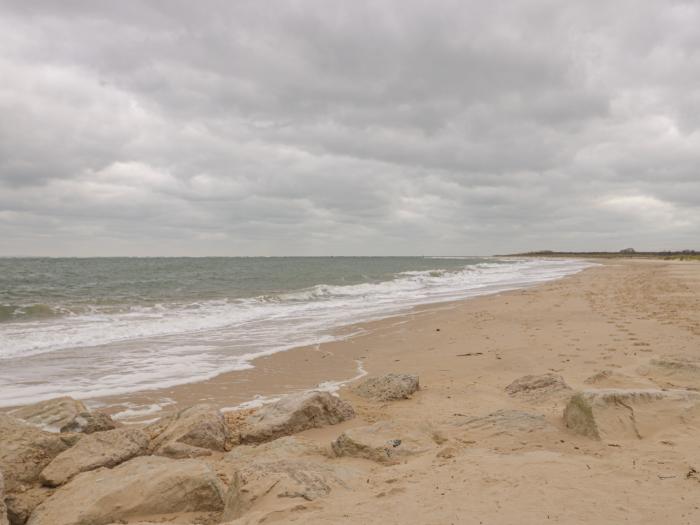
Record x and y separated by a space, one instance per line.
140 488
390 387
538 387
629 414
25 450
293 414
200 426
383 442
102 449
51 415
89 422
3 508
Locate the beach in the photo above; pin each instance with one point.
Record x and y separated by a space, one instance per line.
484 446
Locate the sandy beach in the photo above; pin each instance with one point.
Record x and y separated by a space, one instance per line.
478 450
617 316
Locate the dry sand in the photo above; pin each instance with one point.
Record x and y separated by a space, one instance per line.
616 317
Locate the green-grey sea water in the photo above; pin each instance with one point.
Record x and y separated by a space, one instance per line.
92 327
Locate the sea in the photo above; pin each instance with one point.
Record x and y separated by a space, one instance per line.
91 327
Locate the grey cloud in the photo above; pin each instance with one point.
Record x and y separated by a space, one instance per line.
305 127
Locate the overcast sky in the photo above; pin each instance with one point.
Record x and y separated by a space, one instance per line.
348 128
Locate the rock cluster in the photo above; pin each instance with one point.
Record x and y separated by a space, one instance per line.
101 474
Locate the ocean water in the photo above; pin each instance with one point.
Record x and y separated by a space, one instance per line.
103 326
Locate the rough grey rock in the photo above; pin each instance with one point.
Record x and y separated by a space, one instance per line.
538 387
89 422
383 442
630 413
50 415
3 508
293 414
200 426
102 449
139 488
390 387
25 450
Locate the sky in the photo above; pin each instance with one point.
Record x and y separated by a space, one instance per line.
348 128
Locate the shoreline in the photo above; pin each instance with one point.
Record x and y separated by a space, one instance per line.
326 366
574 401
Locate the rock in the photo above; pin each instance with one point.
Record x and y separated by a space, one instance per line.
50 415
198 426
25 450
538 387
383 442
3 508
278 485
278 474
177 450
89 422
20 505
674 372
139 488
389 387
629 414
293 414
102 449
288 447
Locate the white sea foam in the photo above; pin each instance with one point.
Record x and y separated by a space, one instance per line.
99 354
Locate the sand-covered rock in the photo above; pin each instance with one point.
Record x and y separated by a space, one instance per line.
287 447
383 442
673 372
139 488
279 474
282 484
3 508
389 387
631 413
25 450
293 414
177 450
51 414
101 449
20 505
200 426
538 387
89 422
615 379
503 425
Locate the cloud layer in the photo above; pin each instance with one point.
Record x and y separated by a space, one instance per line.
315 127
